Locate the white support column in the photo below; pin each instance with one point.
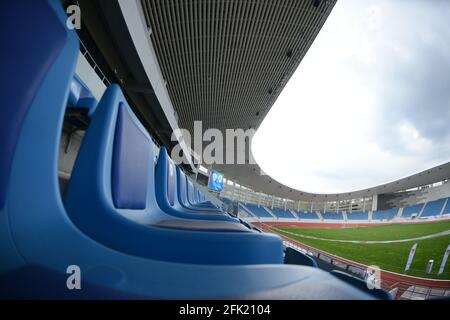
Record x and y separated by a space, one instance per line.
285 204
273 200
364 204
232 193
312 206
374 202
298 206
259 199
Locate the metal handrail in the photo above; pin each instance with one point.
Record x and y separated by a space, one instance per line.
96 68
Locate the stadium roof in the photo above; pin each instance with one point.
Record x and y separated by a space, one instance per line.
225 63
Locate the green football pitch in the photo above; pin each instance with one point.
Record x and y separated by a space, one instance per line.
388 256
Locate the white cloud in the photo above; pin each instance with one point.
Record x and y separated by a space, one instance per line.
346 119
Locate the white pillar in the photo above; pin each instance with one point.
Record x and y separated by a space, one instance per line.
374 202
234 187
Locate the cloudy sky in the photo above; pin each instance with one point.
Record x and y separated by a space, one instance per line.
369 103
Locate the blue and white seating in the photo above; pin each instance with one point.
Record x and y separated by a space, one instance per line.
358 215
446 209
388 214
308 215
433 208
332 215
99 227
410 210
282 214
259 211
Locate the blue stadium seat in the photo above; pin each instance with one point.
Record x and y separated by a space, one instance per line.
282 214
168 192
433 208
109 186
332 215
358 215
182 199
388 214
193 202
410 210
259 211
307 215
447 207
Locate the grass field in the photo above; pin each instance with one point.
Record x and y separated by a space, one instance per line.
390 256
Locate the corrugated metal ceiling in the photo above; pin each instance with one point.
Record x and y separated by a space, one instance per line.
225 62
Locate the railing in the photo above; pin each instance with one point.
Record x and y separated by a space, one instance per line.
410 291
401 290
84 51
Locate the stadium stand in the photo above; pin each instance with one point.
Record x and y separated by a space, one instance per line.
410 210
447 207
332 215
433 208
282 214
307 215
131 219
358 215
259 211
384 214
39 240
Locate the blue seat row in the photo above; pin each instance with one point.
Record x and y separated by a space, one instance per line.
81 97
283 214
447 207
410 210
258 211
388 214
358 215
433 208
307 215
126 220
332 215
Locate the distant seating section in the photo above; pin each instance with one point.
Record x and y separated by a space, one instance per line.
433 208
385 214
358 215
307 215
332 215
409 211
226 201
259 211
282 214
447 207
